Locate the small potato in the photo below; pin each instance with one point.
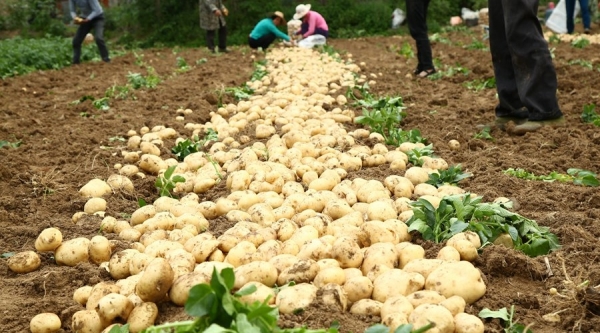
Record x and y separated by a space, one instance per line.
330 275
48 240
24 262
86 321
448 253
258 271
156 281
118 266
358 288
94 205
468 235
295 297
454 144
455 304
98 291
394 320
466 249
409 253
437 314
416 175
114 306
366 307
72 252
142 317
95 188
262 293
396 304
45 323
379 254
423 266
99 250
82 294
467 323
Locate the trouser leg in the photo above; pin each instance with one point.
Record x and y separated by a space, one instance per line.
222 36
585 13
210 39
570 7
417 25
82 31
99 38
265 41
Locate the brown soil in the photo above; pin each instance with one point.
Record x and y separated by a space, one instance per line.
62 150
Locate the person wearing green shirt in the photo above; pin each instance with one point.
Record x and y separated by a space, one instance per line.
265 32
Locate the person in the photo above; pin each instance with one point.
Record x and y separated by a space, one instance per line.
585 15
525 76
212 19
313 23
549 10
92 18
265 32
416 14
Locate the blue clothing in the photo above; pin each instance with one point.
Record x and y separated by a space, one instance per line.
90 9
585 14
266 26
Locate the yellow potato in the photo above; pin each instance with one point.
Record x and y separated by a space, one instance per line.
45 323
434 313
142 317
48 240
24 262
156 281
72 252
86 321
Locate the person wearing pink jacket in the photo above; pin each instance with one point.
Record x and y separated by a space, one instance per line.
313 23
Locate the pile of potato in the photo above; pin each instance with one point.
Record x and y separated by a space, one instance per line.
298 216
594 39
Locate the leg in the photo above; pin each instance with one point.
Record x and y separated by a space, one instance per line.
304 28
322 32
222 37
265 41
585 14
533 69
504 72
570 6
417 24
210 40
99 37
82 31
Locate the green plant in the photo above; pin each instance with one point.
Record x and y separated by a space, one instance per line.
457 213
583 63
138 81
479 84
554 39
201 61
397 136
452 176
511 325
166 182
484 134
406 51
182 65
240 93
216 166
120 92
101 103
576 176
589 115
194 145
405 328
415 155
447 71
477 44
13 145
382 115
580 42
260 70
437 38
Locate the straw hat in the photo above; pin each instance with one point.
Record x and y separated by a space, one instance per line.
301 11
281 16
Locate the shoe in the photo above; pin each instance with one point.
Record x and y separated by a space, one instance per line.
106 60
426 72
587 31
417 71
534 125
501 122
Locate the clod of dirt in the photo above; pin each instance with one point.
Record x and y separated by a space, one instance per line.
502 261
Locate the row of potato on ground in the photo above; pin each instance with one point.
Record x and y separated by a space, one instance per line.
298 217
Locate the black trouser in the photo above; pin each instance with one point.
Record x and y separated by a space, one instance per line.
98 25
210 38
525 75
318 31
263 41
416 14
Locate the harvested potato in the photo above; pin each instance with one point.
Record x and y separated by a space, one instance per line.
379 254
180 290
48 240
434 313
261 294
142 317
330 275
295 297
113 306
333 295
449 253
302 271
99 249
396 282
467 235
396 304
94 205
466 249
394 320
357 288
127 285
72 252
425 297
24 262
95 188
258 271
82 294
45 323
366 307
98 291
416 175
459 278
347 252
467 323
156 281
118 266
423 266
86 321
454 304
409 253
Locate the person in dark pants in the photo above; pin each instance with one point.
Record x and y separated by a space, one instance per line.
525 76
92 18
416 15
585 15
265 32
313 23
212 19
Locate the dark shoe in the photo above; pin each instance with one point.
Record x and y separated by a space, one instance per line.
107 60
501 122
417 71
426 72
587 31
534 125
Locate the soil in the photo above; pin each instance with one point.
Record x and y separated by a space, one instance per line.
65 145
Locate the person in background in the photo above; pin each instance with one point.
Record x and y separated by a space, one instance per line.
92 17
549 10
313 23
585 15
212 19
525 76
265 32
416 15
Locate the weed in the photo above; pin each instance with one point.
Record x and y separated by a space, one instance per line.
101 103
13 145
589 115
415 156
448 71
201 61
452 176
476 44
510 323
575 176
580 43
478 84
583 63
484 134
166 182
182 65
406 51
186 147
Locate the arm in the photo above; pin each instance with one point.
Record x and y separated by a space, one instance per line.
96 10
312 23
72 9
209 5
272 28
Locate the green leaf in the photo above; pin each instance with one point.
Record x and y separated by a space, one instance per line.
178 179
378 328
141 202
458 227
119 329
418 225
169 172
501 314
246 291
7 255
202 301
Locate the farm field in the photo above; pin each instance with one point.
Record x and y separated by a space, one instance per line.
66 143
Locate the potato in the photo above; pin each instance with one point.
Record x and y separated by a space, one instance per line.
142 214
425 297
95 188
448 253
114 306
327 263
296 297
332 294
466 249
262 293
283 261
127 285
118 266
48 240
240 254
366 307
394 320
98 291
434 313
86 321
142 317
180 290
409 253
156 280
454 145
379 254
24 262
315 249
416 175
159 248
302 271
459 278
94 205
357 288
352 272
396 304
120 183
82 294
45 323
468 235
396 282
258 271
454 304
208 267
423 266
72 252
99 250
330 275
467 323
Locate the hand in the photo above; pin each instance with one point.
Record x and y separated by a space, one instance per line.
218 13
225 11
78 20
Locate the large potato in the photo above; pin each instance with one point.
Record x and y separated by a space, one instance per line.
357 288
24 262
379 254
467 323
86 321
118 266
48 240
99 249
45 323
114 306
180 290
95 188
258 271
155 281
72 252
423 266
396 282
295 297
142 317
459 278
261 294
432 313
396 304
302 271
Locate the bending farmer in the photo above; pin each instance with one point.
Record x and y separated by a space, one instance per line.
92 18
313 23
265 32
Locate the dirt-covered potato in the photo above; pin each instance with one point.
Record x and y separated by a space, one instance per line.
423 266
259 271
98 291
379 254
262 293
332 294
425 297
454 304
86 321
357 288
95 188
396 304
72 252
295 297
180 290
118 266
81 295
48 240
99 249
45 323
302 271
334 275
396 282
437 314
367 307
156 280
459 278
113 306
24 262
142 317
467 323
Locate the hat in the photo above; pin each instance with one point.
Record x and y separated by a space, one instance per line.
281 16
301 11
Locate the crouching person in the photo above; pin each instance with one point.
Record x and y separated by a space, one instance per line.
265 32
